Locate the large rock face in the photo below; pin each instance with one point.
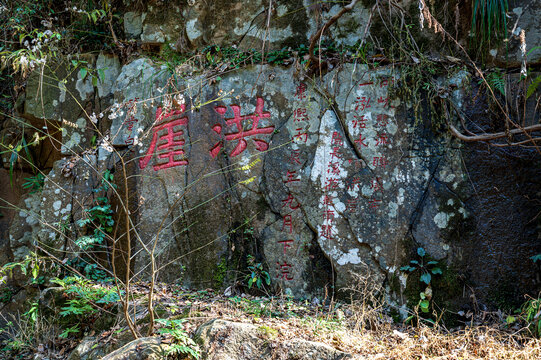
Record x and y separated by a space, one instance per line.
221 339
316 178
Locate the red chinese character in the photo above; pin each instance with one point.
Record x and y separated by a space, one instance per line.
326 231
329 216
285 243
283 271
299 94
362 103
351 205
382 140
377 184
241 134
359 164
385 102
300 135
337 139
327 200
366 83
380 161
382 120
295 157
331 184
386 81
168 144
335 153
356 181
289 201
360 141
359 121
287 222
291 177
299 113
334 168
374 203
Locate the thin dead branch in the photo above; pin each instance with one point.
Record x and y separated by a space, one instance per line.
314 60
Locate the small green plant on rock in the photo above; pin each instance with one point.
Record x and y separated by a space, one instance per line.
427 269
182 343
258 275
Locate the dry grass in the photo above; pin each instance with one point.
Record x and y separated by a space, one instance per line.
361 328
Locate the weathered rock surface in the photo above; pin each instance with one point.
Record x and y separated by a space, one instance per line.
146 348
315 177
221 339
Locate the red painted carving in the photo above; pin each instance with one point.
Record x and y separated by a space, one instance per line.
286 245
327 201
335 153
334 168
337 139
295 157
287 223
351 205
360 141
242 134
382 139
356 181
169 143
290 175
301 133
300 93
385 102
331 184
326 232
360 121
329 216
362 103
374 203
300 114
380 161
284 271
376 184
289 201
382 120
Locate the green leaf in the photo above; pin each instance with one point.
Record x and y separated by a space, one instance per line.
422 295
432 263
421 252
414 262
426 278
536 258
533 86
82 73
436 271
425 304
510 320
101 74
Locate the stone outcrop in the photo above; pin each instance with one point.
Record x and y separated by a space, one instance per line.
221 339
316 177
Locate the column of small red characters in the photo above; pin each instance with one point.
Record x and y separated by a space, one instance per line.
362 103
332 185
382 141
291 177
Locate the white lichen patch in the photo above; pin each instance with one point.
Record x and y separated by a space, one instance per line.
400 198
81 123
393 209
442 219
57 205
351 257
